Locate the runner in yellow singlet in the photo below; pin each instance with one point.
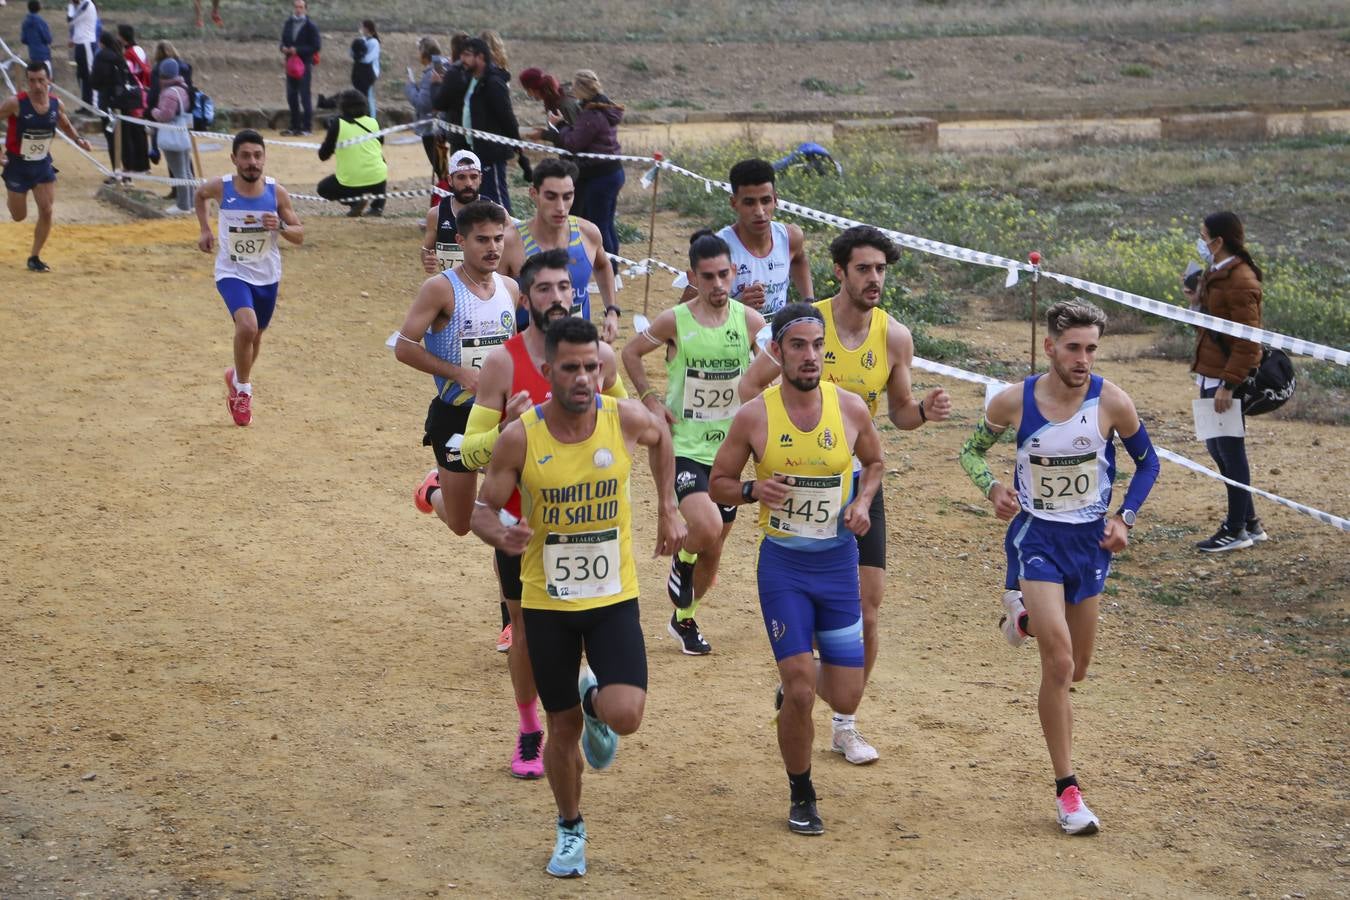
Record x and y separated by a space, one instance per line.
571 456
867 352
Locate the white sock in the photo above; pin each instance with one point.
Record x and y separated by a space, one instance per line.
843 722
244 388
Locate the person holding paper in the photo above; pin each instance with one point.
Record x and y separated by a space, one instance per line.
1230 288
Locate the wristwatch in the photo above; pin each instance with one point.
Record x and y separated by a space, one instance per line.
748 491
1127 516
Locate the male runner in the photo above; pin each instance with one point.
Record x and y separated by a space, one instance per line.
866 352
553 190
459 317
804 435
1060 542
708 344
511 381
253 210
767 254
571 457
32 119
439 250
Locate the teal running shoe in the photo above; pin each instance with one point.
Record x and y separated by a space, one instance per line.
569 852
599 743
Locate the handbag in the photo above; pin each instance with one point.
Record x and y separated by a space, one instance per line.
295 66
1270 385
175 136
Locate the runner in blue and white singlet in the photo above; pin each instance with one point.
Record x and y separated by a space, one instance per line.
476 328
247 251
579 266
1065 470
770 271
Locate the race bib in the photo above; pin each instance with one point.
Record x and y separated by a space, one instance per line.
813 509
449 255
582 566
248 243
711 396
472 351
1063 483
36 146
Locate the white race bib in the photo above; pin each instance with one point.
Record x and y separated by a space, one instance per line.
711 396
582 566
248 243
472 351
35 146
812 511
449 255
1063 483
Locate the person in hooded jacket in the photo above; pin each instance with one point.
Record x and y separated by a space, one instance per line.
484 104
594 131
174 107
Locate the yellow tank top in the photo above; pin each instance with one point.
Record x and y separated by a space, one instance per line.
863 371
819 467
575 498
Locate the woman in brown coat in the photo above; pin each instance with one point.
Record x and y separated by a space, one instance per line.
1230 288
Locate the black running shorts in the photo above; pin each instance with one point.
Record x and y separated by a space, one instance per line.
444 421
872 546
611 637
508 574
691 477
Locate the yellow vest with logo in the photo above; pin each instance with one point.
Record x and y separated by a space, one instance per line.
819 468
863 371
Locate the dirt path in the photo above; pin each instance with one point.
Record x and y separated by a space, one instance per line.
281 678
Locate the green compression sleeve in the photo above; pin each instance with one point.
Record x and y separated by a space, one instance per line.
972 456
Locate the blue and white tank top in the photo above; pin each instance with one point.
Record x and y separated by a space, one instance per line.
1064 469
578 264
477 328
247 251
770 271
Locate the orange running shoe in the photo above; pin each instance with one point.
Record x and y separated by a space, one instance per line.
422 496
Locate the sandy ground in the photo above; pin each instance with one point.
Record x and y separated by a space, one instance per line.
239 661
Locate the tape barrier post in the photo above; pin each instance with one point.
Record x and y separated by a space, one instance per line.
117 151
651 243
196 157
1035 259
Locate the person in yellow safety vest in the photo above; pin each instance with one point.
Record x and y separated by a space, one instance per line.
361 169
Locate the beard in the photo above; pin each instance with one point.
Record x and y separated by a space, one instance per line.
466 196
573 405
541 320
804 383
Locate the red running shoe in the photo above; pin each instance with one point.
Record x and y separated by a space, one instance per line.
422 496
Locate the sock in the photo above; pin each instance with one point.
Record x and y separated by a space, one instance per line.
570 823
237 385
686 557
1022 624
588 703
506 615
1063 784
843 722
802 788
684 615
529 718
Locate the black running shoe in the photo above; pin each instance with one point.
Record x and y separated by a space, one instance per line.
687 633
803 818
1224 540
37 265
680 584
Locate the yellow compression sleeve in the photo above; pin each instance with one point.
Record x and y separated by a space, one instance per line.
617 390
479 436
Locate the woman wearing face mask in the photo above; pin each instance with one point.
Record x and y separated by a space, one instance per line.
1230 288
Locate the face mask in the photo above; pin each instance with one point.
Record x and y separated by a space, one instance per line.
1202 247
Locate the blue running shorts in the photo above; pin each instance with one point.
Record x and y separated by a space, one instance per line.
805 596
1059 552
21 176
239 294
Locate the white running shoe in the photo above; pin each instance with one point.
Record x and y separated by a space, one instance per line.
1013 611
853 746
1074 815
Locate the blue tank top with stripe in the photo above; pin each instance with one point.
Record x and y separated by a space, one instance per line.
476 328
579 266
1065 470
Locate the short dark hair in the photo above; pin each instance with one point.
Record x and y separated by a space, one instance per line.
703 244
791 313
842 247
37 65
126 33
353 104
556 258
553 167
247 136
751 171
478 46
568 330
479 211
1065 314
34 6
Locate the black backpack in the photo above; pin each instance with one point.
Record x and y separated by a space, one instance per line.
1270 384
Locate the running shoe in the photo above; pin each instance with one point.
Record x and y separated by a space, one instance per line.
215 17
803 818
1074 815
37 265
1224 540
528 760
1256 532
1011 623
504 639
687 633
422 496
680 584
853 746
569 852
242 409
598 741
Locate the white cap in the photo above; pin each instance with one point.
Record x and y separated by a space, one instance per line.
465 159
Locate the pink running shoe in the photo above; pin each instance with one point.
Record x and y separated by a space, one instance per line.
230 391
1074 815
528 760
237 402
422 496
504 639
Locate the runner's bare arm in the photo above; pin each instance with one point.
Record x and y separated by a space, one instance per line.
209 191
604 280
867 449
657 336
763 370
67 129
689 293
9 107
745 437
508 458
641 427
904 411
294 230
754 324
428 251
799 265
513 253
611 385
436 297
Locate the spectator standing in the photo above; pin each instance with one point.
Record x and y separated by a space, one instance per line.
300 44
165 50
370 58
421 93
544 88
360 168
82 17
111 81
36 36
486 107
175 108
135 139
594 131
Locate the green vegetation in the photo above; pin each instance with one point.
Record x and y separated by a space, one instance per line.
900 74
1136 70
829 88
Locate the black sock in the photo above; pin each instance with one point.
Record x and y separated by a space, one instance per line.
802 788
570 823
506 615
431 490
1022 624
1063 784
588 704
